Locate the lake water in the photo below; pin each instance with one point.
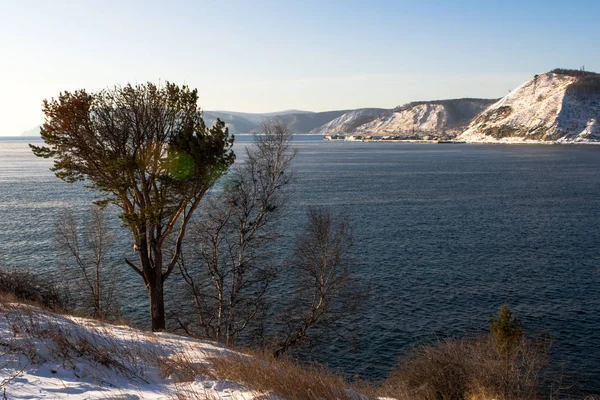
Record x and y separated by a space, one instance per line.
446 234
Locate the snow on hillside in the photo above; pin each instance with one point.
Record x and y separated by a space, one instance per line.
348 122
47 355
35 131
558 107
432 117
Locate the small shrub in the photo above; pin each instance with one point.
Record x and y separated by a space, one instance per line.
435 372
469 368
282 377
25 286
506 330
503 364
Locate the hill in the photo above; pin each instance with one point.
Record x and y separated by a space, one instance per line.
305 123
298 121
252 119
349 121
558 106
48 355
35 131
441 117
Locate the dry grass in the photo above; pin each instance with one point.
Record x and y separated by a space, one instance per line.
281 377
68 342
453 369
39 336
267 377
469 369
180 368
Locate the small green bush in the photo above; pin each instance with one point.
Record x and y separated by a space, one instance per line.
506 330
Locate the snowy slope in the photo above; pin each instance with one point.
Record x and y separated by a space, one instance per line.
348 122
561 107
47 355
421 118
35 131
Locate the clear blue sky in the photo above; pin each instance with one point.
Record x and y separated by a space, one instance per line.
260 56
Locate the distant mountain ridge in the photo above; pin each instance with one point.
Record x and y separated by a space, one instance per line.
35 131
253 118
562 105
298 121
423 117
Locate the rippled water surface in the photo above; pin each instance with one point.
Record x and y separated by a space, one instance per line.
445 234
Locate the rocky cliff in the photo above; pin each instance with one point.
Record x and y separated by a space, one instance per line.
348 122
438 117
558 106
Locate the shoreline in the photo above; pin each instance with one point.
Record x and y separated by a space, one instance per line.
428 141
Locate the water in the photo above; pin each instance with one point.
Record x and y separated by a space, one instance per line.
445 234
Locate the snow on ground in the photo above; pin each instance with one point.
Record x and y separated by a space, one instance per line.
46 355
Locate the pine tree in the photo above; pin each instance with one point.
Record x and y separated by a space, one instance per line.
147 150
506 330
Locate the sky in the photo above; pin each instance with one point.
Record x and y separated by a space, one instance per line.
265 56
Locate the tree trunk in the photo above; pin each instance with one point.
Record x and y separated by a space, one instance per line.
152 270
157 305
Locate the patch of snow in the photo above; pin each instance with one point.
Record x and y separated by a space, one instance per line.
52 356
42 356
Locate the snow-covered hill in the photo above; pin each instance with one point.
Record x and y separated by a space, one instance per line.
35 131
440 117
348 122
46 355
558 106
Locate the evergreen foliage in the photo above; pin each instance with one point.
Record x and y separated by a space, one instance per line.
147 150
506 330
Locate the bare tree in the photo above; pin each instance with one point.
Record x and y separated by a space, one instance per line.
325 291
85 261
230 281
